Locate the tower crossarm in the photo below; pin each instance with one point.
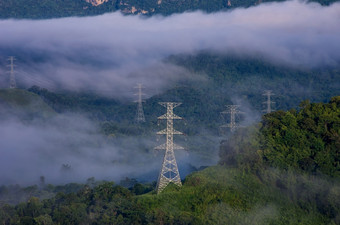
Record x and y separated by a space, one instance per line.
163 147
233 111
167 131
171 104
171 117
160 147
138 101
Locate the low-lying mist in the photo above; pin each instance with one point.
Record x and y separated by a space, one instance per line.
71 148
109 54
67 148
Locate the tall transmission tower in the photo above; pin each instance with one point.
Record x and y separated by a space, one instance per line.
268 102
12 83
169 172
233 111
140 112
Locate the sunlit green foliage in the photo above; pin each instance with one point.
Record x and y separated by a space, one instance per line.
306 139
217 195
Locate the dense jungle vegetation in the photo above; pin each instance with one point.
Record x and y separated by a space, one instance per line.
226 80
282 170
285 170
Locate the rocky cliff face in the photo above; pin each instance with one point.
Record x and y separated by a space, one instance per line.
96 2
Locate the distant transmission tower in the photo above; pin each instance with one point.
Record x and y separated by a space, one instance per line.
12 83
233 111
268 103
169 172
140 113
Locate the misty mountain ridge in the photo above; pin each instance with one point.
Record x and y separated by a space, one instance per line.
69 133
30 9
23 104
108 125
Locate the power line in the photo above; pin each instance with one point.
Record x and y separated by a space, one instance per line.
169 172
268 102
30 80
140 113
233 111
12 82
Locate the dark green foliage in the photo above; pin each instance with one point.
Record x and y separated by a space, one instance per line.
216 195
23 104
241 150
306 140
64 8
304 144
225 79
51 9
245 78
14 194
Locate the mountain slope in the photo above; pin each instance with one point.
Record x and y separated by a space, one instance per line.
65 8
251 191
305 140
216 195
24 104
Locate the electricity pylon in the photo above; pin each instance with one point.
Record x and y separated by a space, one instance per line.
140 113
268 103
12 83
233 111
169 172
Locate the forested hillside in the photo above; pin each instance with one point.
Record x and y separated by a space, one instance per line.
65 8
296 140
256 140
267 177
23 104
226 80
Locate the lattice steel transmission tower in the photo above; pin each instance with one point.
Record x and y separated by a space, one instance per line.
140 112
233 111
169 172
12 81
268 103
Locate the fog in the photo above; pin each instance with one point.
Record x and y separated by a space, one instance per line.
110 53
67 148
70 148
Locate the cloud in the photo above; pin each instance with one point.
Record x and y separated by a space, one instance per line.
70 148
112 52
46 148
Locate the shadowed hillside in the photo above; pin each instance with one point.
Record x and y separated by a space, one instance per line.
31 9
24 104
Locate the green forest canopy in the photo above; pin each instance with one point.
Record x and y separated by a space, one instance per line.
284 171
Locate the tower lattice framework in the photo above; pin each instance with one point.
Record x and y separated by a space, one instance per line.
11 65
233 111
268 102
169 172
140 112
